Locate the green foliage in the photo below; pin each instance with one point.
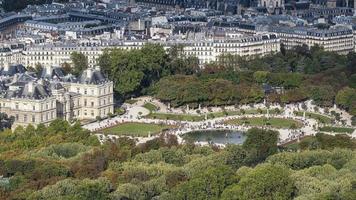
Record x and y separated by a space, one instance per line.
337 129
63 150
346 98
134 71
75 189
180 90
260 76
80 62
209 184
260 144
263 182
337 158
59 168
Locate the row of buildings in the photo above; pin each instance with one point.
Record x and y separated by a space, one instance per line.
206 50
339 39
39 99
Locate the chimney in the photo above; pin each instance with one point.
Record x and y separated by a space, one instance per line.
30 86
48 70
16 77
89 72
40 81
6 68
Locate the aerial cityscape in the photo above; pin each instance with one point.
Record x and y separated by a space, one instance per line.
177 100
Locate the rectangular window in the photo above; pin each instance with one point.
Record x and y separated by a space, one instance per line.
33 107
17 117
33 118
85 102
25 118
92 104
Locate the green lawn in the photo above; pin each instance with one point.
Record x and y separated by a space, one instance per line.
241 112
262 121
321 118
151 107
176 117
135 129
212 115
131 101
337 129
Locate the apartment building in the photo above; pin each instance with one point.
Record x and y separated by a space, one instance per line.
338 39
208 51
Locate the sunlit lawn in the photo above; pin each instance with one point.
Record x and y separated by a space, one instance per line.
131 101
262 121
176 117
321 118
337 129
136 129
196 117
151 107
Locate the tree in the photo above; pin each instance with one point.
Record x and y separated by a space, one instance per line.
260 144
80 62
209 184
75 189
66 68
235 156
260 76
346 98
265 182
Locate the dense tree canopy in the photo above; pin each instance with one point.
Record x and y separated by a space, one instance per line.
135 70
64 162
80 63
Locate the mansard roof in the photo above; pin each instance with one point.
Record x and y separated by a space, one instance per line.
12 70
52 72
92 76
31 90
70 78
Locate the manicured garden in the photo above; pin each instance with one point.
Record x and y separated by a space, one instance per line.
211 115
321 118
151 107
242 112
135 129
131 101
176 117
263 121
336 129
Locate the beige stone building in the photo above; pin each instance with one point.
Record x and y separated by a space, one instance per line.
337 39
34 100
